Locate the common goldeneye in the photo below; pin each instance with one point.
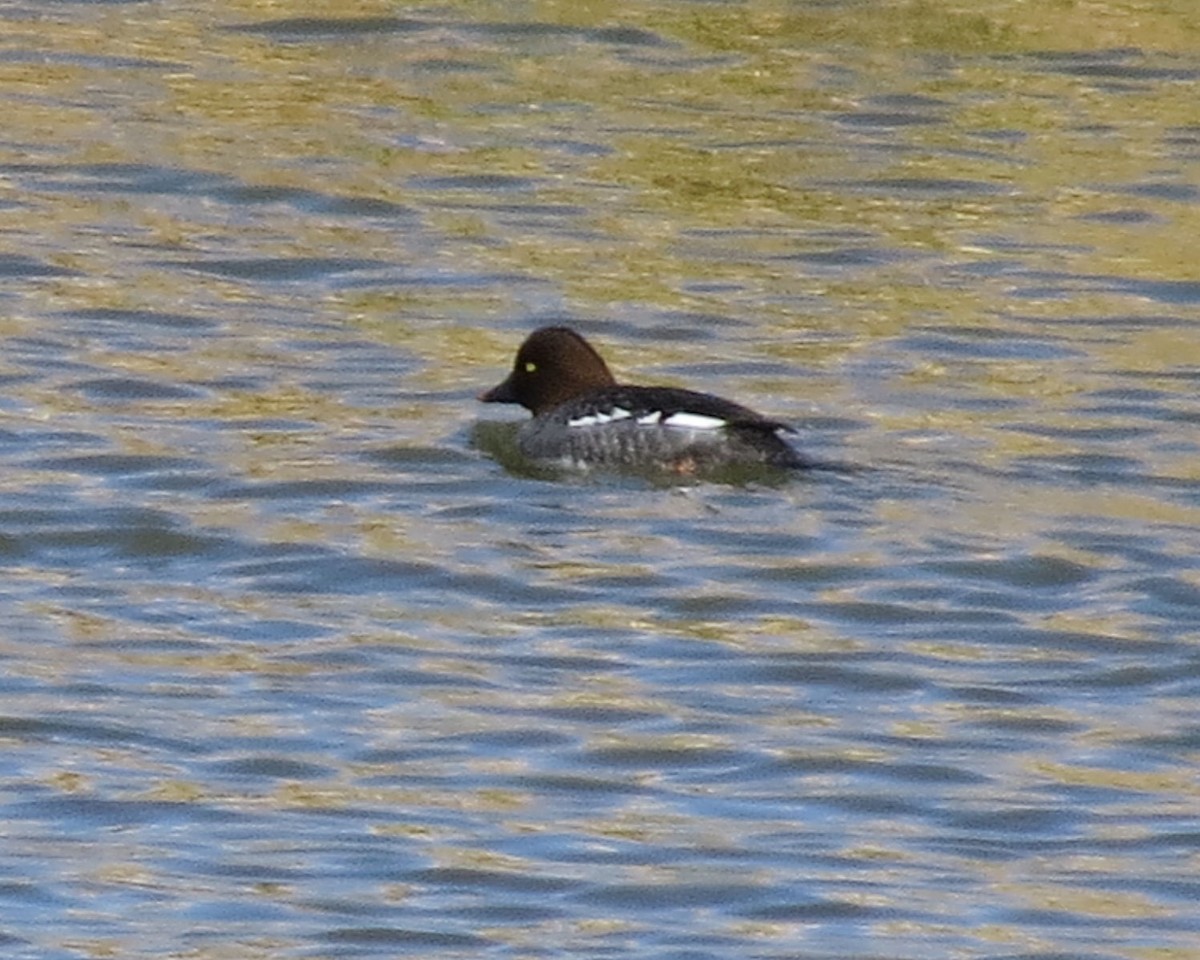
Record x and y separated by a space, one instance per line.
583 418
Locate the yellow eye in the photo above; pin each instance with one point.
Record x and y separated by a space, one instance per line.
530 367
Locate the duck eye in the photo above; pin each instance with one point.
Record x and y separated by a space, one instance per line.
530 367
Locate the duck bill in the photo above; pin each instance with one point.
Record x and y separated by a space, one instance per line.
500 393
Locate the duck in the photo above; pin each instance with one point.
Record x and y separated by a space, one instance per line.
584 419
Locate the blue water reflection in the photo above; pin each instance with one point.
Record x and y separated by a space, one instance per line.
299 660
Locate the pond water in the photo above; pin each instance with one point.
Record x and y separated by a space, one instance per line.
295 666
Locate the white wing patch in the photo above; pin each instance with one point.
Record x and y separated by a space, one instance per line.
682 420
600 417
694 421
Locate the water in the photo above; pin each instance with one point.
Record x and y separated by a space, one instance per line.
293 667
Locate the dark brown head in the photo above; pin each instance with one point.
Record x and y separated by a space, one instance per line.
553 365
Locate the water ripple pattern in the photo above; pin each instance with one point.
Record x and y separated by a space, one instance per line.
298 661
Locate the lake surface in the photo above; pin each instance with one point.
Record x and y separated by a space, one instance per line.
295 665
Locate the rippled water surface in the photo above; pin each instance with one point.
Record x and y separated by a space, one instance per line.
297 664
